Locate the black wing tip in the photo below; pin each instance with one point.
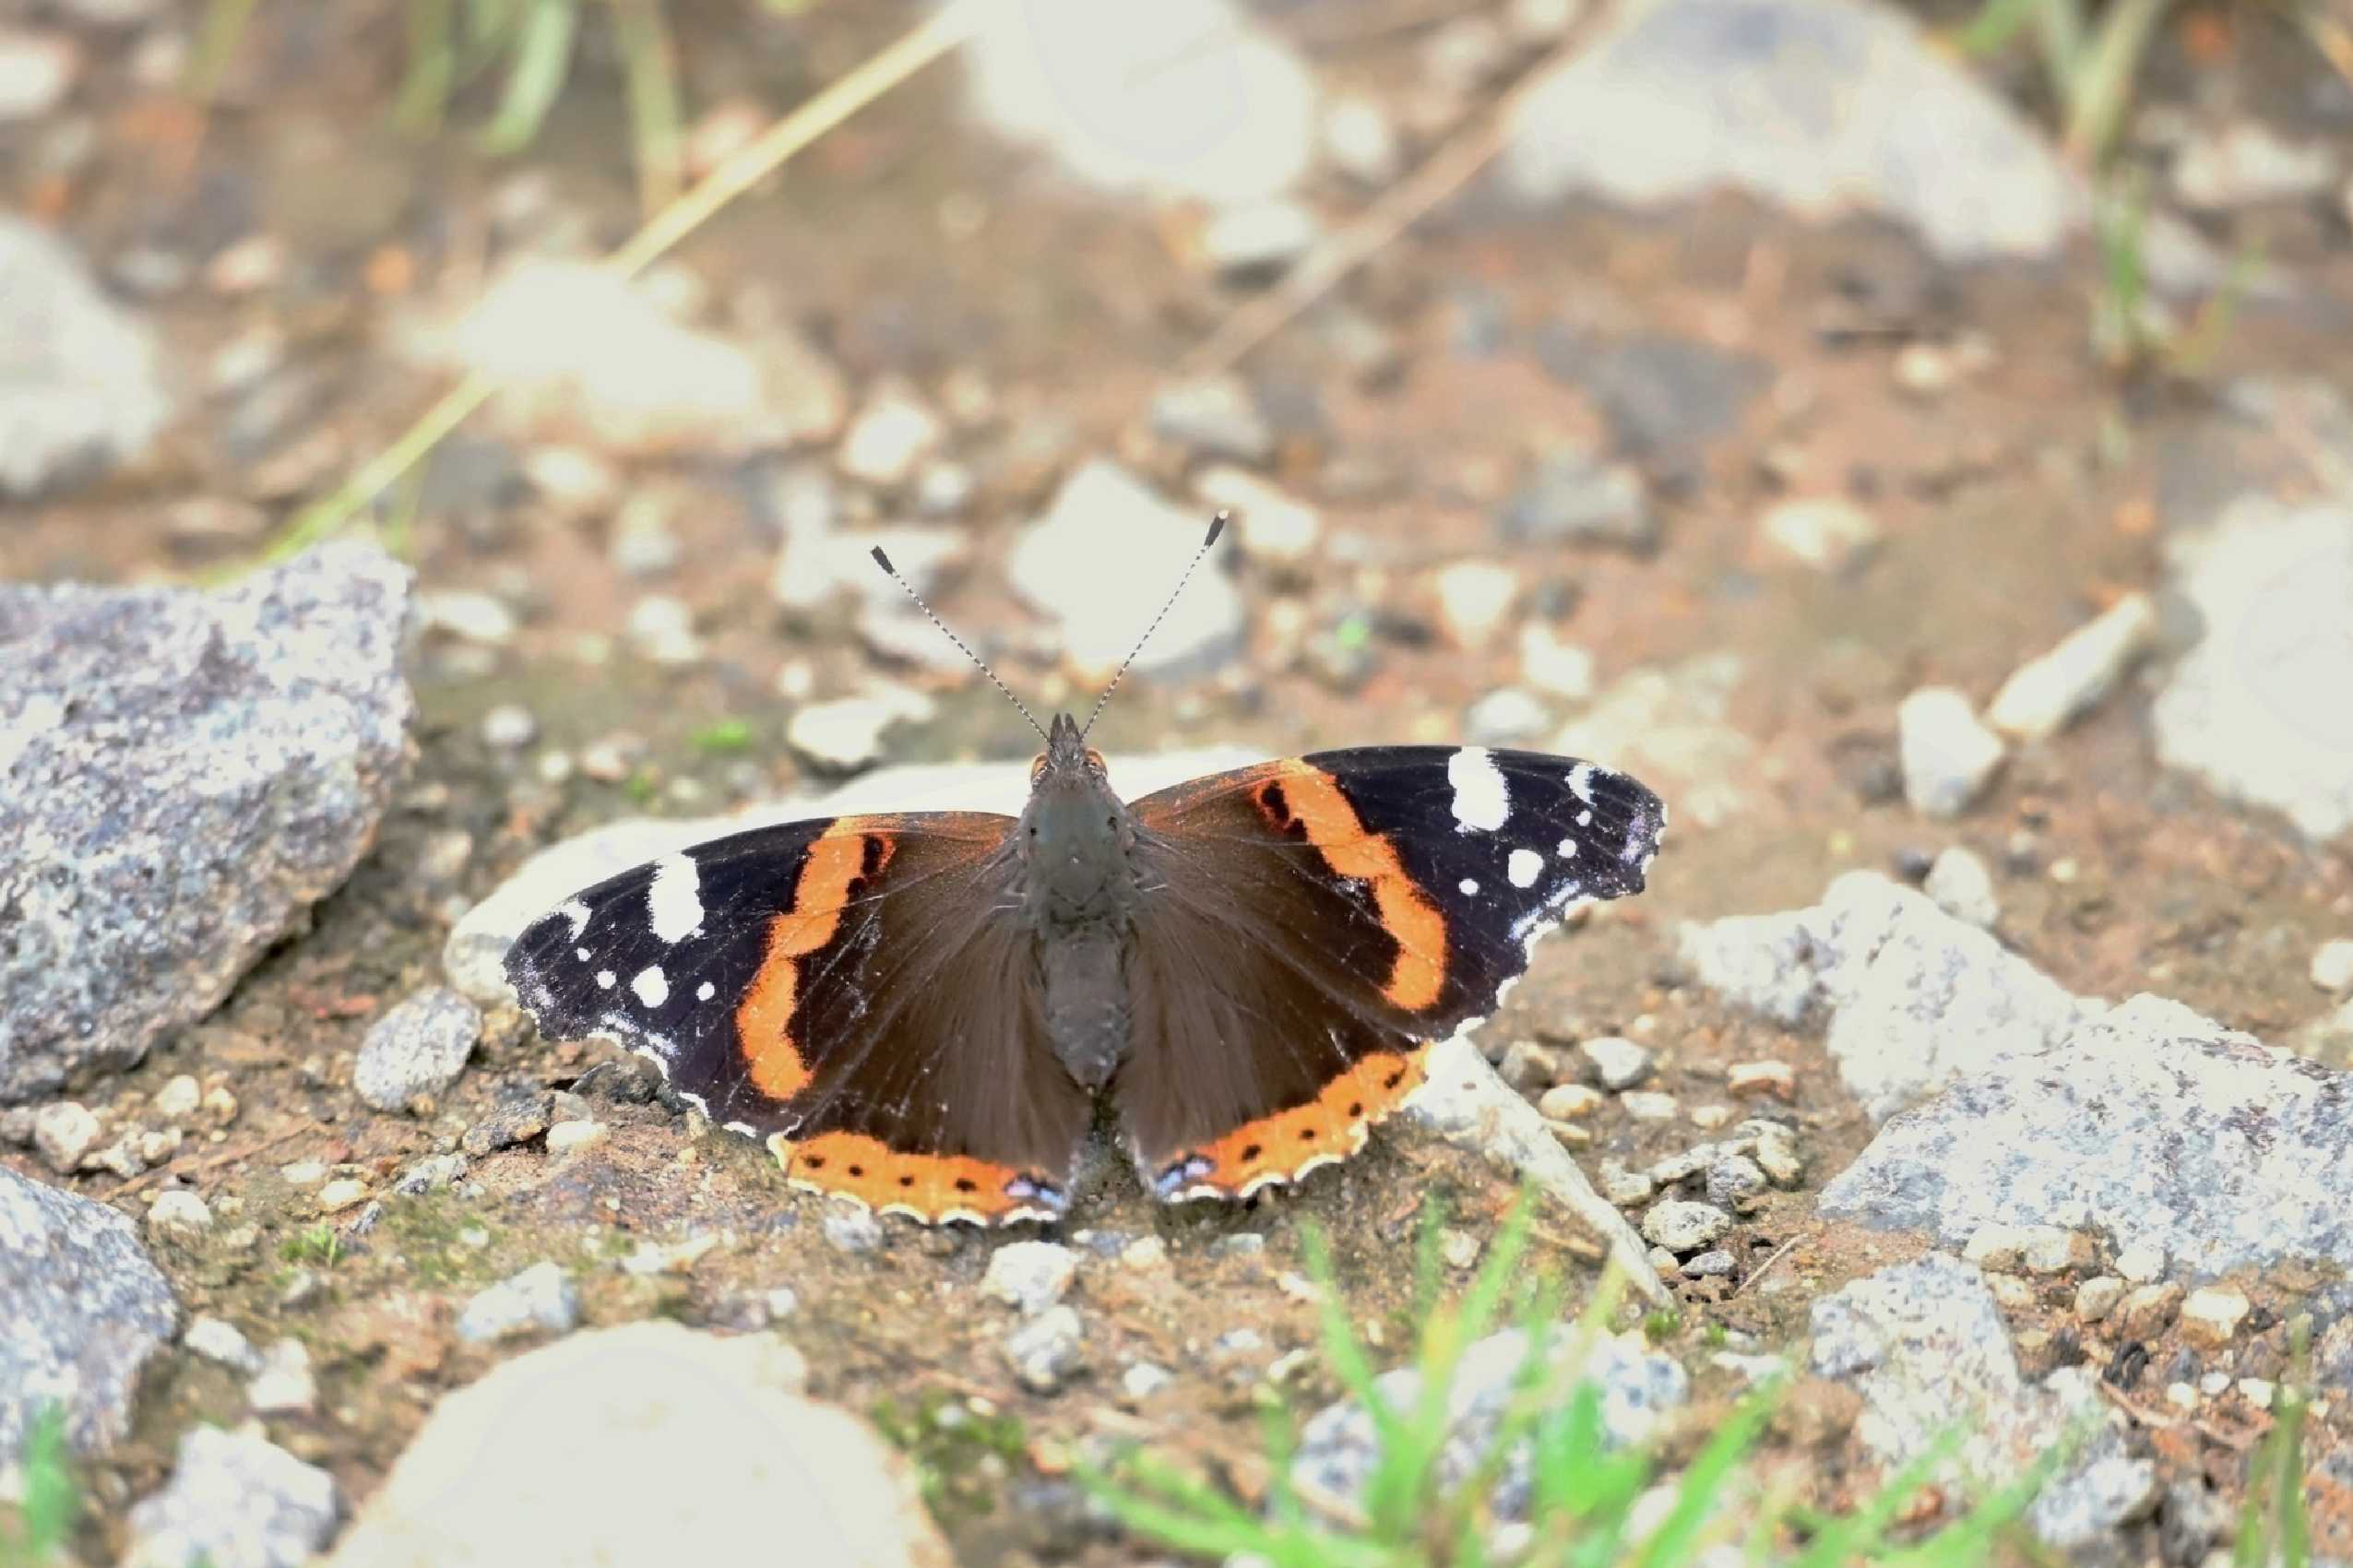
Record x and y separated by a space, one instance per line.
882 560
1216 527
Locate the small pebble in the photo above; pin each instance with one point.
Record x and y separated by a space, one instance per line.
1031 1276
509 727
430 1174
1552 667
284 1386
570 1137
852 1229
1780 1159
2141 1264
63 1132
1474 596
180 1216
1645 1105
218 1340
662 629
1948 757
2098 1297
2046 694
1734 1181
467 616
509 1126
1144 1253
845 735
541 1297
1241 1244
1257 242
1569 1102
1618 1063
2333 965
1504 717
893 433
418 1048
1046 1349
1528 1065
1143 1380
1778 1079
1459 1248
1271 527
1217 417
1713 1264
343 1193
1824 533
667 1258
1709 1118
1360 141
2211 1315
178 1100
1962 885
2147 1310
1681 1227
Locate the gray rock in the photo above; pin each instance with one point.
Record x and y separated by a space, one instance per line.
1913 998
852 1229
181 775
637 1447
1340 1445
1190 99
2090 1135
1100 561
1031 1276
2332 968
1962 885
63 1132
1683 1227
1618 1063
1572 498
1924 1343
85 1308
220 1341
285 1386
1670 726
1733 1179
2256 708
419 1048
79 387
1217 417
2044 695
517 1121
179 1216
1823 107
1713 1264
1046 1349
1462 1102
235 1500
1948 756
542 1299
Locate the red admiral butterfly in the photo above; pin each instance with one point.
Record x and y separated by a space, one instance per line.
924 1012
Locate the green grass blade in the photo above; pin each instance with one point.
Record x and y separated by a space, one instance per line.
52 1501
2101 88
543 57
432 67
1700 1491
649 68
1996 23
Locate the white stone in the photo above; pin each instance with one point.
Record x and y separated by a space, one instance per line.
1255 240
1569 1102
218 1341
2247 163
2333 965
1360 141
1618 1063
63 1132
466 614
846 734
1180 97
1962 885
37 70
1948 756
2044 695
179 1098
1031 1276
1270 528
181 1216
1827 533
285 1385
1474 599
235 1500
1556 668
1506 716
889 439
2211 1315
542 1298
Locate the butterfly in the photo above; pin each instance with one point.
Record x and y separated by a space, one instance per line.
928 1012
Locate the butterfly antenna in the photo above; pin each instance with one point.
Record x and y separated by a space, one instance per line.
883 562
1216 527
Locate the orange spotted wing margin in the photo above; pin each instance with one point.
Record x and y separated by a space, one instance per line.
847 991
1308 928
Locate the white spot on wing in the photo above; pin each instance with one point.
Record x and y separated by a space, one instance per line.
1469 886
674 902
1566 848
651 985
606 980
1481 799
577 913
581 954
705 991
1523 867
1581 782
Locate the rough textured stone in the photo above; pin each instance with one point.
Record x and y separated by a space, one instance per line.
85 1308
1045 1351
1340 1445
79 381
540 1299
419 1048
1924 1343
1948 756
2044 695
640 1447
1033 1276
1821 106
235 1500
2148 1123
181 775
1464 1103
1913 997
2257 708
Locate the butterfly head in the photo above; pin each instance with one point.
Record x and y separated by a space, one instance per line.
1074 833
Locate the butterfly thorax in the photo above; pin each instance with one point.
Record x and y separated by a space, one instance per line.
1078 896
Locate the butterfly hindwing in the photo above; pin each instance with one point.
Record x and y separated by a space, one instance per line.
846 989
1310 926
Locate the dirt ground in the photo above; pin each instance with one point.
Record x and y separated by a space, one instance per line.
2035 487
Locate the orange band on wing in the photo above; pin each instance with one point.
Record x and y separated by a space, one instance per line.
931 1186
1331 1126
763 1019
1310 799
